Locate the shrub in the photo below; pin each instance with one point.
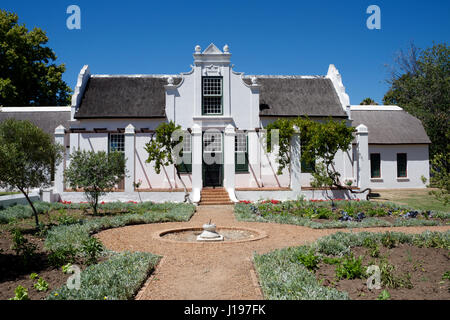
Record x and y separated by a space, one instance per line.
350 268
391 280
331 260
41 285
308 259
118 278
22 247
384 295
388 240
21 293
61 256
97 173
92 248
66 268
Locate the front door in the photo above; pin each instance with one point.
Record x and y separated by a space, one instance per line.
212 159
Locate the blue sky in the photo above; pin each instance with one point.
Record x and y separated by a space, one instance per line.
265 37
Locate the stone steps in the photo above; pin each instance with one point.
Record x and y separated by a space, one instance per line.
216 196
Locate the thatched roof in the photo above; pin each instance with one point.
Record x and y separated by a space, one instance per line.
298 96
391 127
144 97
124 97
46 120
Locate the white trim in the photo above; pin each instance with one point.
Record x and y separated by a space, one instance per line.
375 108
268 76
136 76
34 109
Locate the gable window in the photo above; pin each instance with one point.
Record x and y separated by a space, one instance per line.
375 165
186 165
241 152
212 96
401 165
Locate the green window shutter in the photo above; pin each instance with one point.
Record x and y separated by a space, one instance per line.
401 165
375 165
241 161
186 165
308 167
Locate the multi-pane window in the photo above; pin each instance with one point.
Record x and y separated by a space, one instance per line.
375 165
401 165
117 142
212 95
241 152
307 166
186 164
212 142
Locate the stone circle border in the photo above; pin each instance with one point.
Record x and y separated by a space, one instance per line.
159 235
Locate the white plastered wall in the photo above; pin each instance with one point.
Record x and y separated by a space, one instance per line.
417 166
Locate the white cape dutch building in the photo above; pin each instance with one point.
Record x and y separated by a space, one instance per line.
224 113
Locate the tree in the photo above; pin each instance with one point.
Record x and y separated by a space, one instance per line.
96 173
27 157
28 75
420 84
441 177
164 151
319 140
368 102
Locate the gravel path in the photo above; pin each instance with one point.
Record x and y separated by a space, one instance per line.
219 271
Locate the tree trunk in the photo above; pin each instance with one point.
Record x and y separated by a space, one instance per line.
36 219
186 194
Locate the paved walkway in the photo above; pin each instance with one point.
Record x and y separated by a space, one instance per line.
213 270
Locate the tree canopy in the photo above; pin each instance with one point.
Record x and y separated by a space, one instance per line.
420 84
165 149
27 157
368 102
28 74
97 173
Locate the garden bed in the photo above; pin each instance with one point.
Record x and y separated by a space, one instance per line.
335 267
65 237
338 214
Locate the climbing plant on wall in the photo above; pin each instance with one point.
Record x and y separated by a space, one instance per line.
320 142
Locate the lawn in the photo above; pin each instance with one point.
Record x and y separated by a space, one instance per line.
336 267
65 239
8 193
416 198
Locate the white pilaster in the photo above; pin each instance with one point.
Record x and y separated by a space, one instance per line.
59 170
171 90
295 162
229 168
129 155
362 145
255 89
197 180
254 156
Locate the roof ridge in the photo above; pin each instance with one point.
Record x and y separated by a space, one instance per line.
135 75
275 76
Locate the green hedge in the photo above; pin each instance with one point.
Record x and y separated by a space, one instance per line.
118 278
